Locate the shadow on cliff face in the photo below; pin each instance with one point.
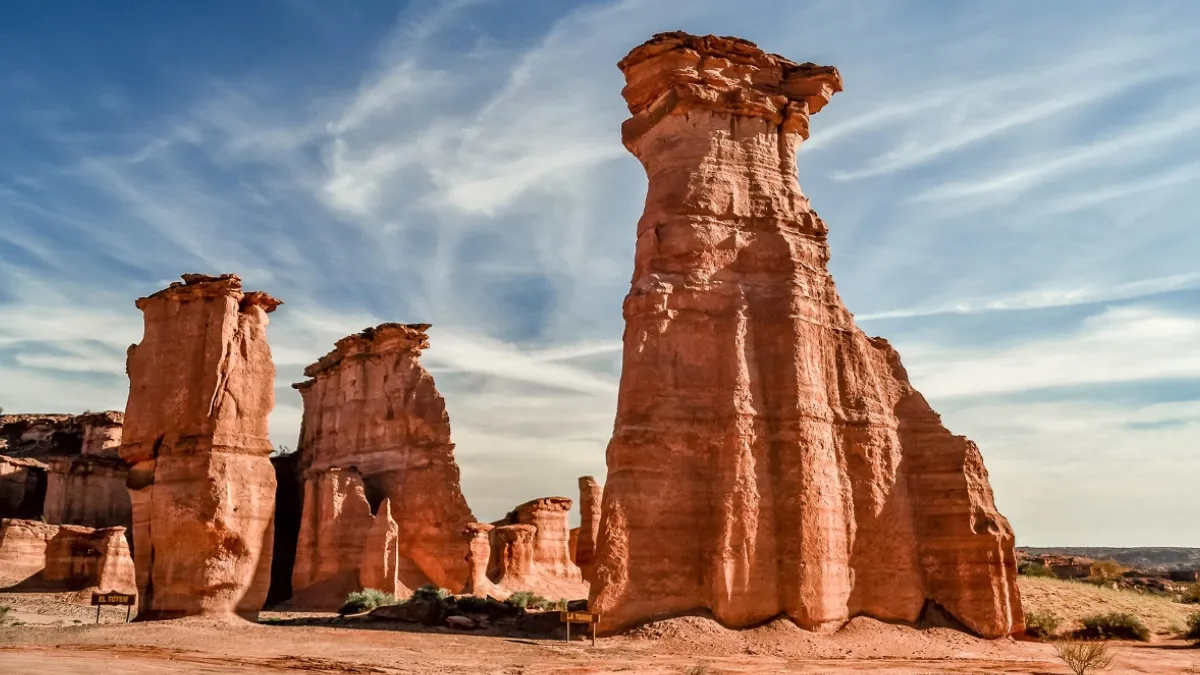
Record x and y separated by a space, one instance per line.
289 500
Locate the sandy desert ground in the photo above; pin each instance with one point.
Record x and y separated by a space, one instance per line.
58 637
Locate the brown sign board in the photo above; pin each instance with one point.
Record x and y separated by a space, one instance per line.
578 617
113 598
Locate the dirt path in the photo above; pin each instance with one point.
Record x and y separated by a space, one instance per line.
213 647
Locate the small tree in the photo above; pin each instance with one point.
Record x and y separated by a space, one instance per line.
1083 656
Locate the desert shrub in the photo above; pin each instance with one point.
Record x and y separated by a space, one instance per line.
1193 628
430 592
4 609
699 669
365 600
1105 570
470 603
1041 623
1030 568
1083 657
1191 594
1113 626
530 600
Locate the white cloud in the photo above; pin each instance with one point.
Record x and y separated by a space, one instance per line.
1113 346
1048 298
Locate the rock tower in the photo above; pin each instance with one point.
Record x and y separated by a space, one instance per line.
374 419
201 385
768 458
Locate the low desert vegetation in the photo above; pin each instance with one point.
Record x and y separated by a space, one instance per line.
429 592
1083 656
4 609
1072 601
1191 594
530 600
1192 632
365 600
1030 568
1113 626
1042 623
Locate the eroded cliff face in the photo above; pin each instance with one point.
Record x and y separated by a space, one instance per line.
201 484
768 458
372 409
64 468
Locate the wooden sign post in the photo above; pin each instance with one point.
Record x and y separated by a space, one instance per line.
569 618
110 598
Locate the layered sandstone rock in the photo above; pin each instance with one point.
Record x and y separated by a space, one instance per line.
372 408
64 468
768 458
40 556
531 551
590 498
201 484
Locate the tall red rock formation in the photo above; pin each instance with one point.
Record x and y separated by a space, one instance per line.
479 554
768 458
531 551
201 385
372 408
590 499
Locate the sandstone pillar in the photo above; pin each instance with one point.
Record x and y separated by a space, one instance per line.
201 484
767 457
590 496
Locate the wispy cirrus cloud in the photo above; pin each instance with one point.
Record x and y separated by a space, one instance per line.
460 163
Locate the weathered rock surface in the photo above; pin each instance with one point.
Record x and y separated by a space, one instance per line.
345 547
591 496
768 458
201 484
372 407
40 556
479 555
531 551
64 468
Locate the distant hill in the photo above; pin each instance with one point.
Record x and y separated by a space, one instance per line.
1151 558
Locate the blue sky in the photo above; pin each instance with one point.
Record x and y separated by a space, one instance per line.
1011 190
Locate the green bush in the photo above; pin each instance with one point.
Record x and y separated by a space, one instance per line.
1113 626
1030 568
1193 630
530 600
430 592
365 600
1191 594
1041 623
